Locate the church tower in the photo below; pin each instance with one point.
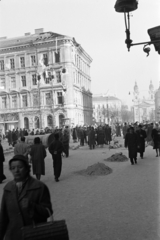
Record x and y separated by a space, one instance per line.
136 92
151 91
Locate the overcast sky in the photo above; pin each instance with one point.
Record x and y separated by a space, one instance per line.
101 32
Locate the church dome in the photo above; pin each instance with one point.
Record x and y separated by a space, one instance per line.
151 87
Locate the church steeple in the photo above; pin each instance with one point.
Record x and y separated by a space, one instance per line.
136 91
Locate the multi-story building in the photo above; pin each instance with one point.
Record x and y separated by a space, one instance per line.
106 109
44 81
157 105
144 108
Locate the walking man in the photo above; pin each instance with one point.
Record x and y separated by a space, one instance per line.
131 143
21 148
141 136
56 148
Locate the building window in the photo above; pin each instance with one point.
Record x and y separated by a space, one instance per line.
45 59
12 63
34 79
58 76
24 100
57 57
1 64
23 79
14 101
22 62
35 100
2 83
48 98
4 102
59 98
13 82
33 60
48 78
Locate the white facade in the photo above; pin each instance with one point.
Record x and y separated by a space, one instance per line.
59 97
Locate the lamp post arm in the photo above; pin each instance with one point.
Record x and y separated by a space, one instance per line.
142 43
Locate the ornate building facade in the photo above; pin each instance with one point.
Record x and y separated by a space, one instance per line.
106 109
157 105
144 108
44 81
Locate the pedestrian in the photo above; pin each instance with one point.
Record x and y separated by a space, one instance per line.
2 159
38 154
131 144
65 142
100 136
91 138
56 148
25 201
21 148
141 136
156 138
108 134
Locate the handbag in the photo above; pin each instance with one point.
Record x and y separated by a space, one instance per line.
52 230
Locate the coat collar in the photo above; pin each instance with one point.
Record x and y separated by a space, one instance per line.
31 184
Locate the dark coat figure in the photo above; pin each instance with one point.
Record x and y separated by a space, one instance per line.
100 136
65 141
156 139
2 159
14 137
149 132
124 129
56 148
82 136
9 136
141 136
38 154
13 216
108 133
74 135
91 138
131 143
118 130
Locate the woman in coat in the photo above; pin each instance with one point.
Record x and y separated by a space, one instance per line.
38 154
25 200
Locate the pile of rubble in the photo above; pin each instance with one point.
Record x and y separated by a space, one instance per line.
97 169
117 157
74 147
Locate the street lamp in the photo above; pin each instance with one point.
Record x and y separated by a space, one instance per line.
127 6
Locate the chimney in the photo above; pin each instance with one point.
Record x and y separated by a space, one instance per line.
39 30
27 34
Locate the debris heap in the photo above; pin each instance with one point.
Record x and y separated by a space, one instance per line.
96 169
117 157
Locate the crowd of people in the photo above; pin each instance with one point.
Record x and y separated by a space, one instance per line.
27 199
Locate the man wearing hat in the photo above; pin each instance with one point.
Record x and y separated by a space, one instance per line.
25 200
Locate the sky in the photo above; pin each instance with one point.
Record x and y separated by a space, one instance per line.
101 32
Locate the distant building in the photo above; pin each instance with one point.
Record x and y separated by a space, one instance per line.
144 108
106 109
44 81
157 105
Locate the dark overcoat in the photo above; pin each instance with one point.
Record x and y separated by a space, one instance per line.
108 132
2 159
141 136
131 143
91 137
56 148
38 154
100 137
13 216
